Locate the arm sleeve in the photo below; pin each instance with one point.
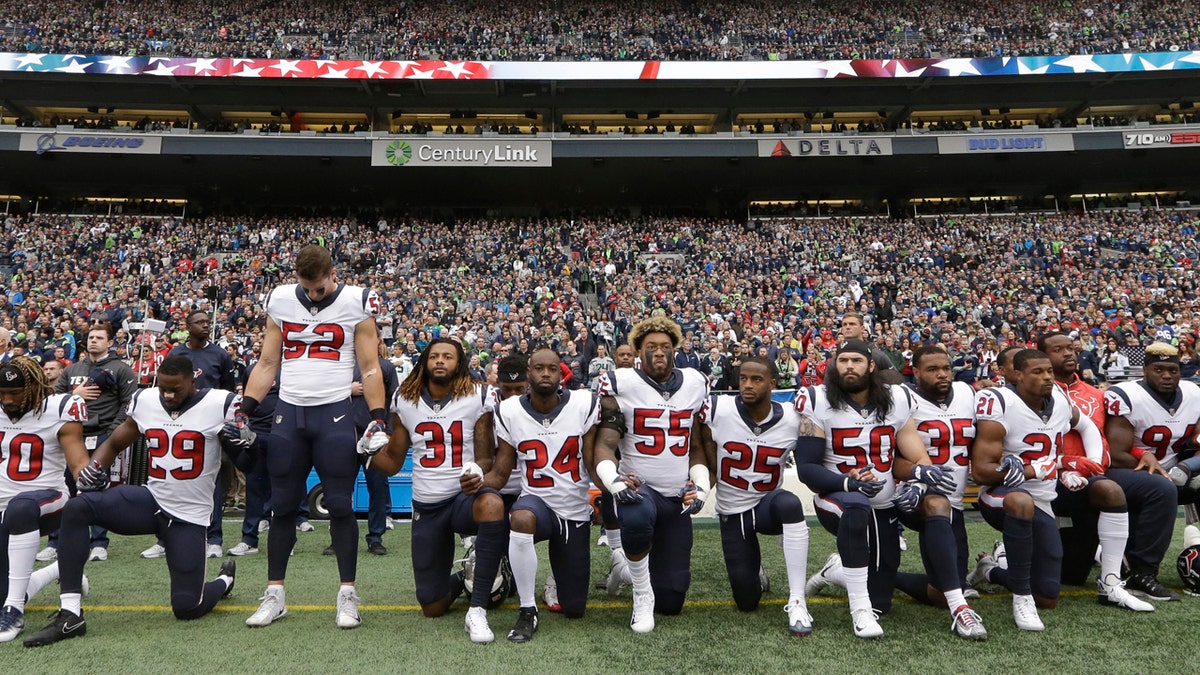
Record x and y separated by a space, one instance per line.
809 452
1093 442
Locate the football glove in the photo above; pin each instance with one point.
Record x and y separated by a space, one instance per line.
92 478
1186 473
908 497
1045 468
624 494
238 432
1083 466
936 477
1013 469
373 440
868 488
697 503
1072 480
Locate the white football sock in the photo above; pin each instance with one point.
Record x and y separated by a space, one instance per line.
614 538
41 578
795 557
72 602
639 574
1113 531
954 599
22 551
855 579
523 558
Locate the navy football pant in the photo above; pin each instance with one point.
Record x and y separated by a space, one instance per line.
303 438
1152 501
570 552
32 511
866 537
1033 546
434 527
944 553
739 542
657 525
132 510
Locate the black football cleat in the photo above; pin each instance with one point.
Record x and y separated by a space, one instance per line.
229 569
63 625
526 626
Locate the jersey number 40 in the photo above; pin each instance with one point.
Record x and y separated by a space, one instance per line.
24 456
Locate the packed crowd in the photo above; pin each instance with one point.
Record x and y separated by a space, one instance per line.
529 30
777 287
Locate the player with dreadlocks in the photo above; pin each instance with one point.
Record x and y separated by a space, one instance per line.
444 414
41 436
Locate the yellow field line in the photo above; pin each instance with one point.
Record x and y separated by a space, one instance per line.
416 608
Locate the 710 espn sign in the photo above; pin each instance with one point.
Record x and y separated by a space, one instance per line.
1148 139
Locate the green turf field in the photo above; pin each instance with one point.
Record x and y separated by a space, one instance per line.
130 628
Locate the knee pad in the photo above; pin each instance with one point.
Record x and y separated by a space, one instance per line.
21 516
668 603
185 606
340 506
637 526
787 508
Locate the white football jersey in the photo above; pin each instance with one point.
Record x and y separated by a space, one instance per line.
318 358
1029 434
442 434
31 458
513 486
1158 427
184 448
948 428
855 438
550 449
750 453
658 423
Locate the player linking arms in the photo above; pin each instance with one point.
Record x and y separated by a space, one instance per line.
185 430
41 437
747 437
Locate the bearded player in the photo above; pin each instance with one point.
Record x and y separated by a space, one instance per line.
443 413
41 437
647 414
548 434
854 427
748 438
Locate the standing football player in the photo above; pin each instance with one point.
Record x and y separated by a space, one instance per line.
443 413
548 434
1100 512
1150 422
648 414
41 436
945 419
317 330
748 438
1017 456
184 430
854 425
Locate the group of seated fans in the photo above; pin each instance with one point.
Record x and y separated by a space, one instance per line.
531 30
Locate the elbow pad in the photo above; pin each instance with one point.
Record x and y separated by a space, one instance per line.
614 420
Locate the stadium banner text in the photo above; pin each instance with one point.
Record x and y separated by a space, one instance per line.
498 153
1005 143
842 146
1158 139
126 144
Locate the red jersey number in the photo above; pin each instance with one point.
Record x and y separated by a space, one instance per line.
329 348
742 457
943 437
537 456
878 453
25 454
185 446
677 432
436 446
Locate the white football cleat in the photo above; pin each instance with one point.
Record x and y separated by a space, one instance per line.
389 524
273 607
1025 613
305 527
155 551
550 594
642 620
242 548
619 577
12 622
800 622
968 625
1111 591
823 578
213 551
477 627
48 554
866 623
347 608
1000 554
984 564
98 554
264 524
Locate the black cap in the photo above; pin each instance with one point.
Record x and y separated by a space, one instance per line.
854 346
11 377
